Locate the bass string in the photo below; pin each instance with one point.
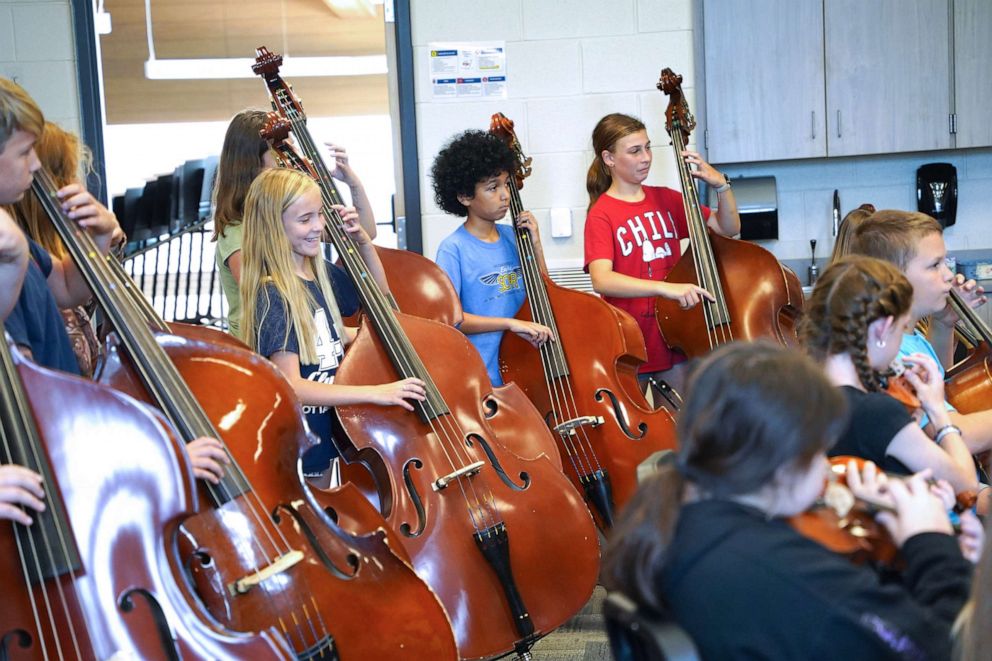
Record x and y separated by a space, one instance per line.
480 508
156 370
20 440
561 394
707 272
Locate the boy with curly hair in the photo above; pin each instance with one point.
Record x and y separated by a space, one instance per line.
471 179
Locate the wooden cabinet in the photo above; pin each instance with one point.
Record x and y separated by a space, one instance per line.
764 102
888 76
790 79
972 61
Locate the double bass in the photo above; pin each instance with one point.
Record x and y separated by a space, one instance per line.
755 295
505 541
89 578
263 551
584 383
969 383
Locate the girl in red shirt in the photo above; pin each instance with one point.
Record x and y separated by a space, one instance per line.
632 232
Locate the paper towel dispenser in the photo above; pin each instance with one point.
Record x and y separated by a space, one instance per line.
757 203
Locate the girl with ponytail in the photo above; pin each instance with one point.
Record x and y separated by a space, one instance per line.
854 323
633 231
707 541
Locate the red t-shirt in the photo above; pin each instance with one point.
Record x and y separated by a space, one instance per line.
642 241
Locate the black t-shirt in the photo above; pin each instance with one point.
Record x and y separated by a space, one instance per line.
274 336
747 587
36 323
876 418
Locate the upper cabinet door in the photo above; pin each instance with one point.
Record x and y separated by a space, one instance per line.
764 80
888 76
972 64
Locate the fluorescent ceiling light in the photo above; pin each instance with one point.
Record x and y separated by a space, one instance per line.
240 67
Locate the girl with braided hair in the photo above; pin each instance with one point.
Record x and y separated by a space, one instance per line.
855 319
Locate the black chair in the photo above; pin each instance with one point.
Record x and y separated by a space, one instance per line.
191 189
207 189
639 634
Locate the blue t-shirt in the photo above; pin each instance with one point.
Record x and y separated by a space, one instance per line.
36 323
274 336
915 342
489 282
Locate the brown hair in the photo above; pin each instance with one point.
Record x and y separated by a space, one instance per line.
845 232
68 160
751 409
608 131
850 295
893 235
240 162
18 111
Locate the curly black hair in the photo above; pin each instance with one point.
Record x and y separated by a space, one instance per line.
469 158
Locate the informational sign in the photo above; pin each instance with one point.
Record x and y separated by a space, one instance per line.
468 70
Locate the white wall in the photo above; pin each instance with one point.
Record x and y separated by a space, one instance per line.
37 50
572 61
568 64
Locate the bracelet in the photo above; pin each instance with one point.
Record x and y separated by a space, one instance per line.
944 431
724 188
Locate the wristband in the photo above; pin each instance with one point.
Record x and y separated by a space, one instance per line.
944 431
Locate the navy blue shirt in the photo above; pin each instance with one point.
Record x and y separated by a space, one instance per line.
276 333
36 323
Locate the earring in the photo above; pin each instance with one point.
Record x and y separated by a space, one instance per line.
880 344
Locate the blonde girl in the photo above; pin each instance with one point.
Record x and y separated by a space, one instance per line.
293 302
244 154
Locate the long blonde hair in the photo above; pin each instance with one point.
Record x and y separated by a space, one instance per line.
68 160
608 131
267 258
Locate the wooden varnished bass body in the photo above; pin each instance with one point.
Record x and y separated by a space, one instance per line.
765 299
347 581
122 481
553 548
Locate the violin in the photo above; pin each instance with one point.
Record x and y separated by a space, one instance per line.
899 388
262 551
846 524
756 296
584 383
505 541
88 579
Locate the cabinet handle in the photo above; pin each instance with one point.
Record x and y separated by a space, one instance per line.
812 125
838 122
